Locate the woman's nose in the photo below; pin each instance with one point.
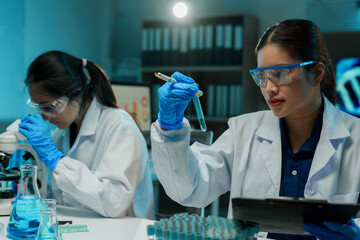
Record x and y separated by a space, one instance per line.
270 86
45 117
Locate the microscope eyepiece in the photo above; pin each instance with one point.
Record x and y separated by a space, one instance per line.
4 159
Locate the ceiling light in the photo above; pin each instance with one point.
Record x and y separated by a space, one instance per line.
180 10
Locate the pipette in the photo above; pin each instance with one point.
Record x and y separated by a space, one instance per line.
170 79
196 100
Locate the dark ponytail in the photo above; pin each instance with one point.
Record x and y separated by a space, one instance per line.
61 74
302 40
100 85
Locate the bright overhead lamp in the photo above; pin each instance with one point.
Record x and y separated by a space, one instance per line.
180 10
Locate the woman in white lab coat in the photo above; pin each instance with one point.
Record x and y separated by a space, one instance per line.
97 156
303 147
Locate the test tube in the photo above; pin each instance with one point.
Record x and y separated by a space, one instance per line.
151 232
196 100
200 114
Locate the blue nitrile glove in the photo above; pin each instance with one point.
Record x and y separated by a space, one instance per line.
331 230
38 135
173 100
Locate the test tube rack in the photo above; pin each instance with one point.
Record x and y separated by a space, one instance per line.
183 226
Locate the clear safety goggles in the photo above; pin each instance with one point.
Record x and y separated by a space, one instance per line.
50 109
279 75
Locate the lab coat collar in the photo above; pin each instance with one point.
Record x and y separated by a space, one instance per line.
270 149
91 119
332 134
270 128
88 126
333 124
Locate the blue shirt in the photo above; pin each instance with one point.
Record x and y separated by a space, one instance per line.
296 167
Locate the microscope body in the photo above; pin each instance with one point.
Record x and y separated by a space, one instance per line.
9 143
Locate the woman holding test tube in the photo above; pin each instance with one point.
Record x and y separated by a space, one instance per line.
196 100
303 147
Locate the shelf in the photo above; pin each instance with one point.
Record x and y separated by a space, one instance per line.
193 118
208 118
221 68
215 68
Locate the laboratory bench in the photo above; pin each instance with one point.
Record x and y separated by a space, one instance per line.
98 227
128 228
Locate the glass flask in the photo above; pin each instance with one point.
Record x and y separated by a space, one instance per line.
25 216
49 225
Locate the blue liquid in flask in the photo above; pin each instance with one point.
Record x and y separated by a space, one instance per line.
25 218
49 225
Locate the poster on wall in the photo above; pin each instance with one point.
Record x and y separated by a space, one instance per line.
136 100
348 85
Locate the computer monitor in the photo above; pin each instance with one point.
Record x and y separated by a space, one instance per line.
348 85
136 99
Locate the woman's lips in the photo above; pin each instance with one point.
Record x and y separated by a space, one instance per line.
274 102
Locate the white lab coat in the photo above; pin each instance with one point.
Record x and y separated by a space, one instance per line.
246 160
106 170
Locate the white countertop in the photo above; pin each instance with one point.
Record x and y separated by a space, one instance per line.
98 226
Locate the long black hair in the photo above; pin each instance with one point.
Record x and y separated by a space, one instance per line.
61 74
302 40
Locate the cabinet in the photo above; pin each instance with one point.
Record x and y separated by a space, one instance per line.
217 52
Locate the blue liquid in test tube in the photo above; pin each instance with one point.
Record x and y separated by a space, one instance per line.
199 113
196 100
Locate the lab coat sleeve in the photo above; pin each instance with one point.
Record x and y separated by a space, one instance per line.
108 190
192 176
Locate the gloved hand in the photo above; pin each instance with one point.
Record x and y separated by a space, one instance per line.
331 230
173 100
38 135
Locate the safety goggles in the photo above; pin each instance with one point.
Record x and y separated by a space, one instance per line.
279 75
50 109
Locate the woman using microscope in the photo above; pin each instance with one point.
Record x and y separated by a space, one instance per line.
97 156
303 147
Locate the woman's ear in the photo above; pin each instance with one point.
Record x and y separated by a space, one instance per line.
319 72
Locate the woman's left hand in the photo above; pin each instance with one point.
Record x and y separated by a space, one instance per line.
331 230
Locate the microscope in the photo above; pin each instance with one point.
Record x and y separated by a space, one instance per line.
10 142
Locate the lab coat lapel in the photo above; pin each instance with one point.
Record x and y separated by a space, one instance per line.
66 141
332 134
270 148
89 123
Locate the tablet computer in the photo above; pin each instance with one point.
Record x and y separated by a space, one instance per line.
287 214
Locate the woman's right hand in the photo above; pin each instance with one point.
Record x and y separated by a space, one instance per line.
39 136
173 100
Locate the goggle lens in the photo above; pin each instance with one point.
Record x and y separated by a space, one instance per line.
279 75
50 110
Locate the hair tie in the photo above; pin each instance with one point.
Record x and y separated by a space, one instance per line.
84 62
